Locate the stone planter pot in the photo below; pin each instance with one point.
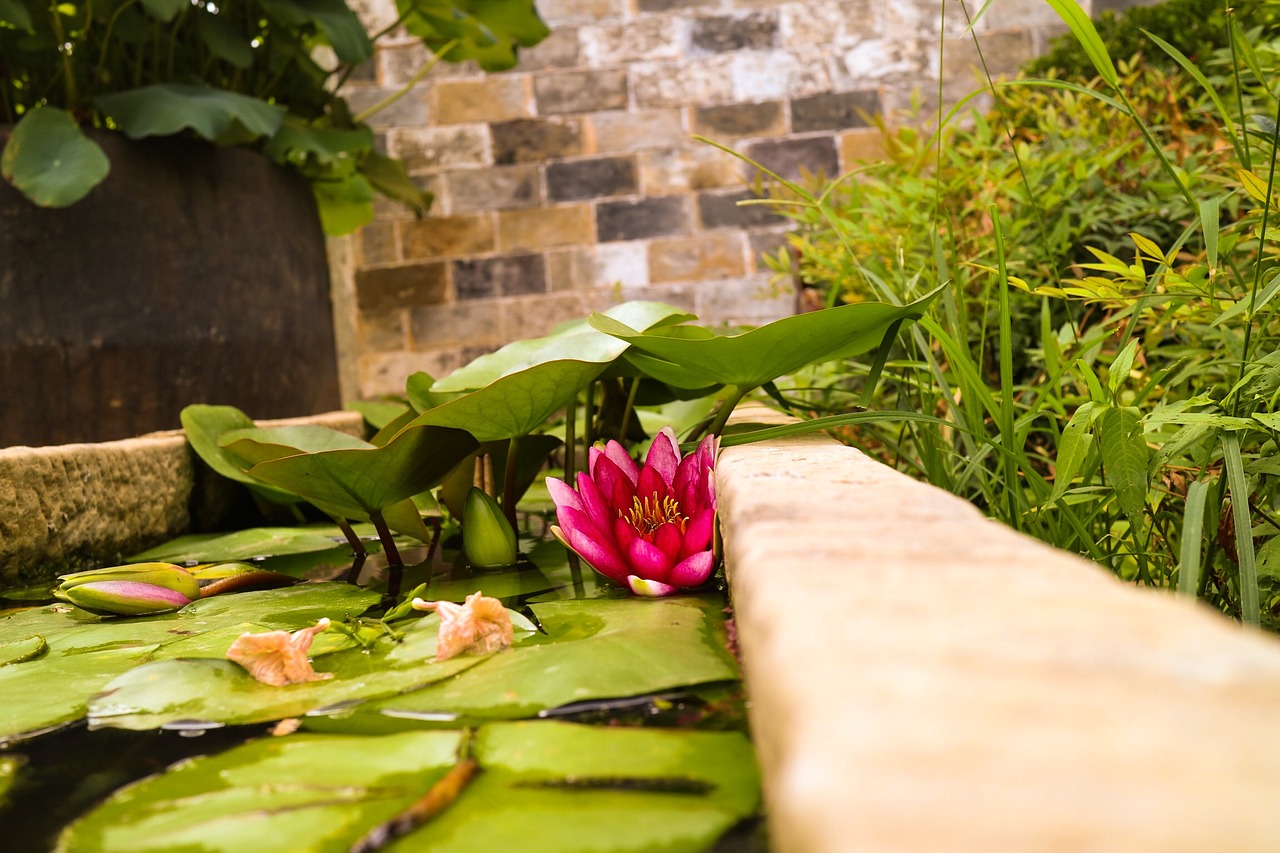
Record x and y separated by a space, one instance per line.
192 274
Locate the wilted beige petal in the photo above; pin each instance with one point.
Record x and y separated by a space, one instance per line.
278 657
479 625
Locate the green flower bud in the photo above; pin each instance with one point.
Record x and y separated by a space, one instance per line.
487 537
125 598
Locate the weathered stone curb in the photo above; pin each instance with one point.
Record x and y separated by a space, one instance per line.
923 679
77 505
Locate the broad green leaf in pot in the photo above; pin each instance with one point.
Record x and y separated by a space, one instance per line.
487 31
487 538
50 160
391 178
15 15
334 18
649 528
166 109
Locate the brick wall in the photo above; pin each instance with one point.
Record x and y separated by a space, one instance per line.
573 181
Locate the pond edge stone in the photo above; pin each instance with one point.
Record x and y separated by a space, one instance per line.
924 679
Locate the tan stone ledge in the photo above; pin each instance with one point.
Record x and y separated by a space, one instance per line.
74 506
924 679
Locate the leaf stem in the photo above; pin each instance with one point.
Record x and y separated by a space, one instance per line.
364 116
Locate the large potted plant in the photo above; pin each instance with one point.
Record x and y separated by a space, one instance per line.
169 166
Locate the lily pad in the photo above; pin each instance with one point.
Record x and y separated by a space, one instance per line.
84 652
20 651
218 691
591 650
248 544
553 787
694 357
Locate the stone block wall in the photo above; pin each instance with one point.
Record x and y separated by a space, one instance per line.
573 181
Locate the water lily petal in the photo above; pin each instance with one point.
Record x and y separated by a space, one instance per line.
575 521
650 588
480 625
664 455
651 484
278 658
698 533
619 456
648 560
599 554
669 538
616 487
562 494
693 571
597 507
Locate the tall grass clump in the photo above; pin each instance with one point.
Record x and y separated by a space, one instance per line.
1104 367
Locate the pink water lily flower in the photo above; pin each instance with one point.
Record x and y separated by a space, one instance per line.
649 527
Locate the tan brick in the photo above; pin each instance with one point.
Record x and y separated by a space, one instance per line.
1003 53
397 64
447 236
545 227
384 288
384 373
685 169
378 244
539 315
435 148
875 60
745 301
865 145
380 331
633 131
497 98
707 256
499 188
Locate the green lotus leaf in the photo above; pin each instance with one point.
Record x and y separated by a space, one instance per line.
163 10
50 160
14 14
694 357
347 476
377 413
553 787
84 652
573 340
224 39
204 425
515 405
166 109
591 650
391 178
531 458
19 651
486 31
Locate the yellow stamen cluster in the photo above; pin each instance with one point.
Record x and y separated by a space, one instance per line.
649 514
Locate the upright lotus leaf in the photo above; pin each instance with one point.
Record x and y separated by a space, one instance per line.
515 405
50 160
694 357
167 109
83 652
349 477
573 340
339 24
378 413
204 425
553 787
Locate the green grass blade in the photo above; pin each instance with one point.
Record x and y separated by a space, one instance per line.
1192 534
1082 28
1198 75
1249 608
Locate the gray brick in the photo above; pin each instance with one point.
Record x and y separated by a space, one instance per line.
673 5
580 91
721 34
721 210
834 110
558 50
510 275
599 177
762 119
636 220
535 140
791 158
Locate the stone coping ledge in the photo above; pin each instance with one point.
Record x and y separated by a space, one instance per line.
924 679
74 506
